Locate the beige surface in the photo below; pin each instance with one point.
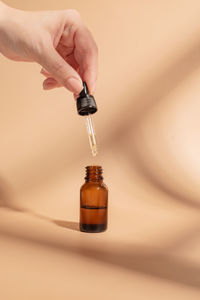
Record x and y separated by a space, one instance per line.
149 143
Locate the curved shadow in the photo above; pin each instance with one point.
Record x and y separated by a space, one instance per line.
142 259
6 201
154 90
145 260
150 177
144 99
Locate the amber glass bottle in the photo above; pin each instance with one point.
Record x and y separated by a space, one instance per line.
93 201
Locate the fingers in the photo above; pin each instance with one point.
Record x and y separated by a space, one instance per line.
45 73
86 54
76 62
50 83
60 70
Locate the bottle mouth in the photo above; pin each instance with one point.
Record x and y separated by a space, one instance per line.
94 173
94 167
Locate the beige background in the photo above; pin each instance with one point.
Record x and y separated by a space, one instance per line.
148 134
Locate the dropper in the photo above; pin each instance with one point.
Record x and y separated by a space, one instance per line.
86 106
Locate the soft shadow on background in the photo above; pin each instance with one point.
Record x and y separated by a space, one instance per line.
126 137
148 261
7 202
45 144
154 262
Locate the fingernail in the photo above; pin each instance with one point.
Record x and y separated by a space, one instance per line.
74 85
48 86
47 83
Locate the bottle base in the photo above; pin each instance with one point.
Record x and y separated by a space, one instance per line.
93 228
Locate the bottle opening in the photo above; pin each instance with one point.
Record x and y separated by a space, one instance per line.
94 173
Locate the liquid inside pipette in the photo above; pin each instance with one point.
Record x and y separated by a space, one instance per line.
91 134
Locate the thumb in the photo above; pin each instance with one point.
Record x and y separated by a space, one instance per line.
61 70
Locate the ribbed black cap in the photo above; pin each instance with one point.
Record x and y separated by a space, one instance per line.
85 103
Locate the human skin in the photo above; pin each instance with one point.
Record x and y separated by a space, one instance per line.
57 40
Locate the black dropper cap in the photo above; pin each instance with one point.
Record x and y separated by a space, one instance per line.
85 103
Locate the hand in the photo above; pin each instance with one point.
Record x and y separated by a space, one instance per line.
57 40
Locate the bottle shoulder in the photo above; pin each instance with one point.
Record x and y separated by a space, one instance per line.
96 185
104 186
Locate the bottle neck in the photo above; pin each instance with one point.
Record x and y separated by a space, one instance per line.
94 174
